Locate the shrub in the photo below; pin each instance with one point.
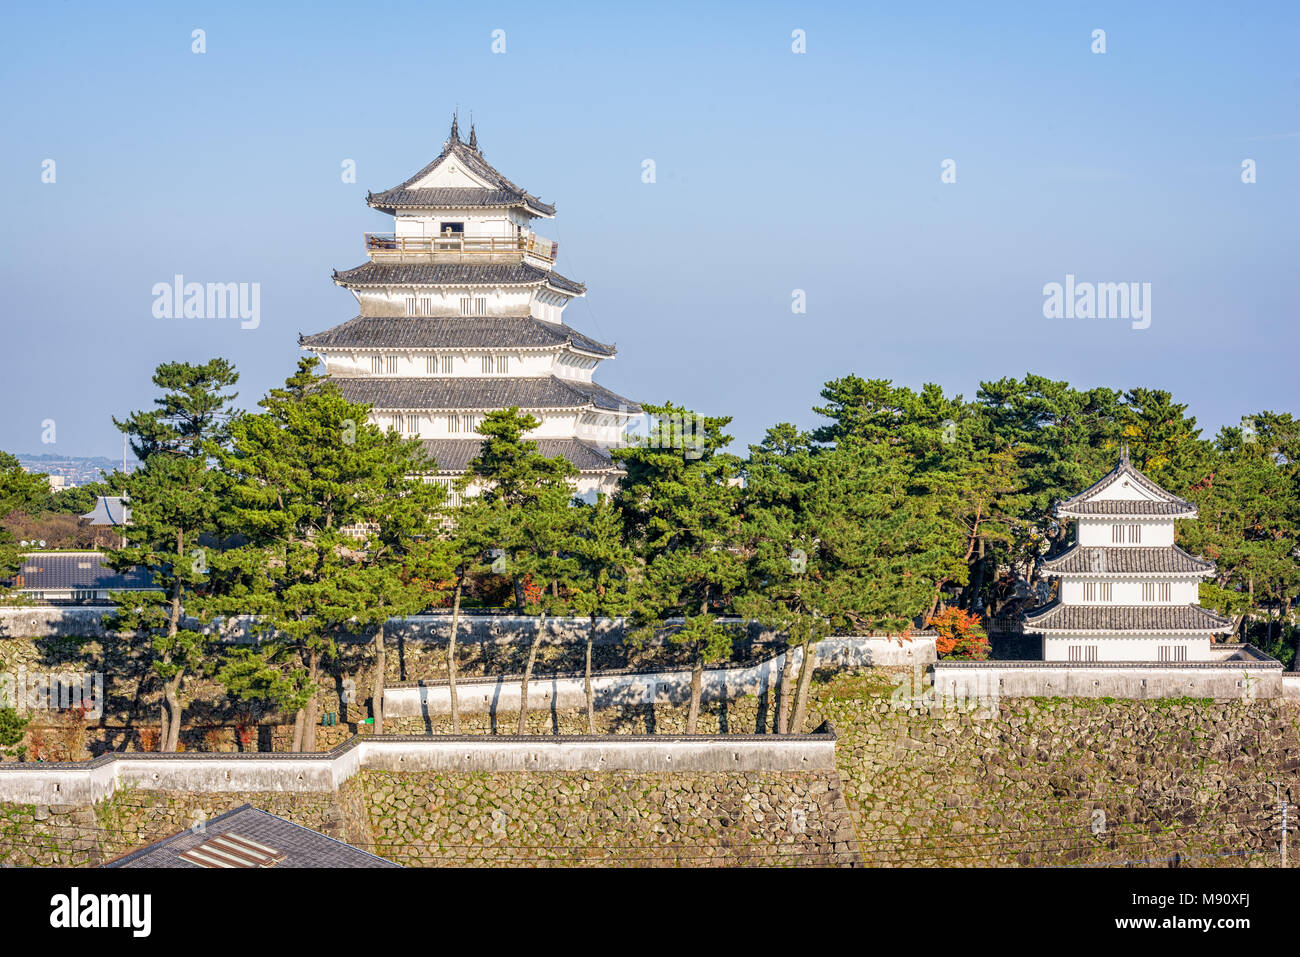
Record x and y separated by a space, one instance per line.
959 634
11 729
149 738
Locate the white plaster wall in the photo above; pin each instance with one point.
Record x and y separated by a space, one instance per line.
477 221
548 305
1155 533
1127 647
1129 591
662 687
1234 682
501 300
1125 491
89 782
415 363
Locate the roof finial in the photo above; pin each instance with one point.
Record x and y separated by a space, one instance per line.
455 125
473 136
1123 454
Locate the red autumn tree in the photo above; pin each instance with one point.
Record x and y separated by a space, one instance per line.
959 634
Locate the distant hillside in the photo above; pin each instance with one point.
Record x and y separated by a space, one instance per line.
76 469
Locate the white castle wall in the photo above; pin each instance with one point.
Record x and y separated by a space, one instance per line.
1129 591
1127 647
1098 532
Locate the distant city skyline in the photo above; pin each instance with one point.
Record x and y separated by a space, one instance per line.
916 181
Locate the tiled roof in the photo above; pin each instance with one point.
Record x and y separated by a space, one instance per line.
456 274
1117 619
1170 560
77 570
1165 503
109 510
301 846
453 455
451 332
1114 507
486 392
445 198
474 161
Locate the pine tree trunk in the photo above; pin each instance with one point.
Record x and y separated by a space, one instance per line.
528 674
171 698
784 692
697 687
381 664
171 732
591 697
934 605
164 726
312 711
801 692
297 731
451 658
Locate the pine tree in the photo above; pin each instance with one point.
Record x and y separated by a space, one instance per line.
681 502
19 491
314 484
175 502
603 578
524 516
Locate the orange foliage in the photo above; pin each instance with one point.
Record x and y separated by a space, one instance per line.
960 634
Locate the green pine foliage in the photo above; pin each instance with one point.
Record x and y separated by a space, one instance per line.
307 523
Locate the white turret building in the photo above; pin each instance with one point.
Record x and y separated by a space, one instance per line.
461 312
1126 591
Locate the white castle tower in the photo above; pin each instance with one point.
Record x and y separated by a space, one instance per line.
461 312
1127 592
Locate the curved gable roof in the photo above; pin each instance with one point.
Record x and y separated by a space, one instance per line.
502 192
1088 503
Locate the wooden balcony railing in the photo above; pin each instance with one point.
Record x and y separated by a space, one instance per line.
455 246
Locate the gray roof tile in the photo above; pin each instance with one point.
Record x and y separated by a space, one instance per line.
453 455
474 161
456 274
1117 619
301 846
1170 560
1125 508
445 198
109 510
451 332
77 570
474 392
1166 503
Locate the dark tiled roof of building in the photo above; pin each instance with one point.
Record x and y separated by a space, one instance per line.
1170 560
1118 619
1163 504
109 510
503 192
443 197
456 274
77 570
486 392
301 846
451 332
453 455
1134 507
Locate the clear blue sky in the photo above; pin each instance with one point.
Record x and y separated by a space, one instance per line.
775 172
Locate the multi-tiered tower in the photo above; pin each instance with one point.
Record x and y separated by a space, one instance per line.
462 313
1127 592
